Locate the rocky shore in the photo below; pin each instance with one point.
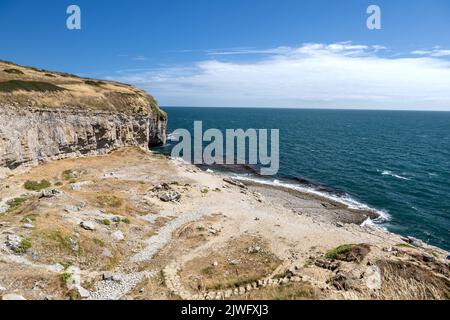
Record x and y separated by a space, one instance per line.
131 224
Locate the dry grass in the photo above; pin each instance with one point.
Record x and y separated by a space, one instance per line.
235 266
405 281
290 291
26 86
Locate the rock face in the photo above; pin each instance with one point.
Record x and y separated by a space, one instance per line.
48 115
30 136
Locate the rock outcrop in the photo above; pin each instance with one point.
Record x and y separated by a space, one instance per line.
85 118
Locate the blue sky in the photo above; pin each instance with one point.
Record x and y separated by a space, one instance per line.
286 53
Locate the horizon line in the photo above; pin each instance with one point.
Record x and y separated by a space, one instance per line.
306 108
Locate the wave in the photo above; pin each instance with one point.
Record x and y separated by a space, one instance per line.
342 198
390 173
172 137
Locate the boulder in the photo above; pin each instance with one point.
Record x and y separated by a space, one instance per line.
13 242
327 264
88 225
372 277
118 235
253 250
169 196
342 281
50 193
234 182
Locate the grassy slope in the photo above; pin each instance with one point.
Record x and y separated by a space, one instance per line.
23 87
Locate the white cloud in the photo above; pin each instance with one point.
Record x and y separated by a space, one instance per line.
339 75
435 52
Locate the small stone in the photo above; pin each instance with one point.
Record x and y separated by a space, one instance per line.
169 196
234 262
372 277
339 224
12 297
107 276
215 263
84 294
28 226
327 264
13 241
292 271
88 225
71 209
107 253
228 293
50 193
253 250
118 235
2 288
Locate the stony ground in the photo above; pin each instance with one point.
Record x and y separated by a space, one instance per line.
135 225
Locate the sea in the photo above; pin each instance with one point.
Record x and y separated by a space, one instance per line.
394 162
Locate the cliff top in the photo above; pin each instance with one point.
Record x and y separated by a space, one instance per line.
23 87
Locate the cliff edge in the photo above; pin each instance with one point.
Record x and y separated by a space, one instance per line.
48 115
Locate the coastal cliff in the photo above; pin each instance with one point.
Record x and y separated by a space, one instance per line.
46 116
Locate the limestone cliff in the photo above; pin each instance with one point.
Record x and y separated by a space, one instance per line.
45 116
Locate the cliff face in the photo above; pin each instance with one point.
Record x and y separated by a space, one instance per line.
28 137
83 118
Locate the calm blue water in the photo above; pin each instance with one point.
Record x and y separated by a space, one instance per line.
394 161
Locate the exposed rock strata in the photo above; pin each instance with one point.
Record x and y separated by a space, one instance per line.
30 136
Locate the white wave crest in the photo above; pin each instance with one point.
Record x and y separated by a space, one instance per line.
390 173
347 200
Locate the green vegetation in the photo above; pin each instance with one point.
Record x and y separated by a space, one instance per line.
59 184
16 203
99 242
65 277
94 83
126 220
39 86
31 217
37 186
405 245
60 240
73 174
109 201
66 264
25 244
106 222
343 249
205 190
13 71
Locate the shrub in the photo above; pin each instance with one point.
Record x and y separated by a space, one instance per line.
25 244
106 222
343 249
13 71
40 86
94 83
37 186
15 203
